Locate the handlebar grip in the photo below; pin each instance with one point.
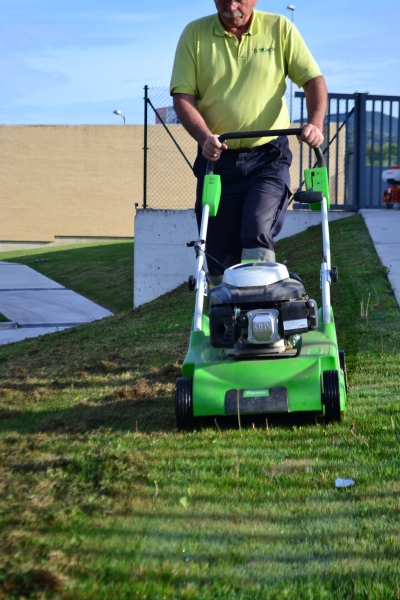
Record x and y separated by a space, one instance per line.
308 197
264 133
320 157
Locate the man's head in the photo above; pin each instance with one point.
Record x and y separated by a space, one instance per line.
235 14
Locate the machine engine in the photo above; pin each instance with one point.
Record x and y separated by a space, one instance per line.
259 309
391 196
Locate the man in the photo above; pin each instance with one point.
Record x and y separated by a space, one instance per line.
230 75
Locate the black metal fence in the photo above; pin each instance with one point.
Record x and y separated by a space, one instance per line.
382 148
363 132
361 139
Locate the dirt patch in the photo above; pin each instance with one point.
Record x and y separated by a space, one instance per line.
6 413
121 413
41 465
29 583
157 383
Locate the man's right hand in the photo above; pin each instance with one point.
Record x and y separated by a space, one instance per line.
212 148
188 114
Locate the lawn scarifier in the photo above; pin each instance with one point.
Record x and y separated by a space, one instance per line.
263 346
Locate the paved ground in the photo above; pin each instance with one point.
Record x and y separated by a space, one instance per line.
37 305
384 228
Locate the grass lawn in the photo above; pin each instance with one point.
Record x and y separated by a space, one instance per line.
101 498
103 272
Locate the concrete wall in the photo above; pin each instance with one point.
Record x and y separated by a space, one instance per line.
162 259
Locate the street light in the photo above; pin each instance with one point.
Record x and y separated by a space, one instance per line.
291 7
118 112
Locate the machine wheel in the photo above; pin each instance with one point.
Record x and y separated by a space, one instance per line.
331 396
184 403
342 362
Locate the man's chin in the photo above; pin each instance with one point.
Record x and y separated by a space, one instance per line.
233 21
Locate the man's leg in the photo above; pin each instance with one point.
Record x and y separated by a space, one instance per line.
264 211
255 193
266 199
223 236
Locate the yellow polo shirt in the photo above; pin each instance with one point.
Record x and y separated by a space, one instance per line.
241 86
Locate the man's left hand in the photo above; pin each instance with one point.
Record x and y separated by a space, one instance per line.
312 136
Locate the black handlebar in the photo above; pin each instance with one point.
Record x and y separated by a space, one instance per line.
265 133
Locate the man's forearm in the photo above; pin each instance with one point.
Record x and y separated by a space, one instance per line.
186 109
317 101
191 119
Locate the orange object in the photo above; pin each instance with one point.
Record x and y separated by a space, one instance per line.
392 194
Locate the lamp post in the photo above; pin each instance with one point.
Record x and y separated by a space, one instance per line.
291 7
118 112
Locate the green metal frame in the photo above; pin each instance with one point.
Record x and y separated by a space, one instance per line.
214 373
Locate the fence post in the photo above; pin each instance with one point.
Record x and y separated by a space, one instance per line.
145 148
360 149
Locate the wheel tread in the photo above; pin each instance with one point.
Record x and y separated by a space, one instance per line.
184 403
331 396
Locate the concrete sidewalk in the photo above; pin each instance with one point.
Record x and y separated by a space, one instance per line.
384 229
37 305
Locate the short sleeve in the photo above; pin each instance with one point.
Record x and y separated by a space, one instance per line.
183 79
301 65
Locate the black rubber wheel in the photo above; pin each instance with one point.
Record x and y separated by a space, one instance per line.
184 403
342 362
331 396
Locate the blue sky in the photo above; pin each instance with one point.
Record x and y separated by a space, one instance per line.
75 62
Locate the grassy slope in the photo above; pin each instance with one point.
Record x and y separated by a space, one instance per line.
102 272
101 498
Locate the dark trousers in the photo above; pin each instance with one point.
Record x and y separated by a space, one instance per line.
254 200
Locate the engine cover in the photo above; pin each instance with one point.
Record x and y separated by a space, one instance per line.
255 274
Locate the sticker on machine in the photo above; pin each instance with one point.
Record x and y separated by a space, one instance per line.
295 324
255 393
257 401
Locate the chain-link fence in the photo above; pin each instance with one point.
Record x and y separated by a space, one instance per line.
169 155
169 151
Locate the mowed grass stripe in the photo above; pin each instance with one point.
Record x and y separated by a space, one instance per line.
102 498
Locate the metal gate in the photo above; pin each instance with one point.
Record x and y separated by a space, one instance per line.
362 134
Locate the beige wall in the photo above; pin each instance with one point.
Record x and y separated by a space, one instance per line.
83 181
79 181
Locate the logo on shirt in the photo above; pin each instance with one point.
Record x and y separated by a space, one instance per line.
264 50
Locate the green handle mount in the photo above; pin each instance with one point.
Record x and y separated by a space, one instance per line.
317 180
212 193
